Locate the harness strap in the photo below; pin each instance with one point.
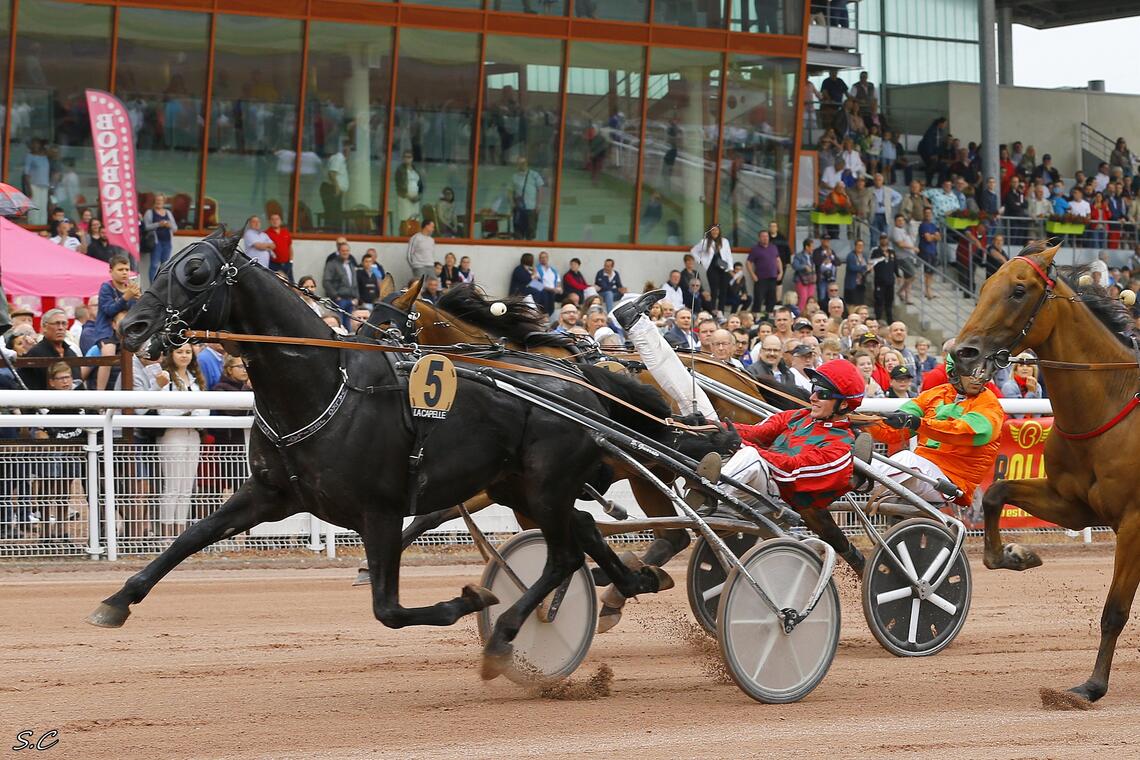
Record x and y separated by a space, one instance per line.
1132 404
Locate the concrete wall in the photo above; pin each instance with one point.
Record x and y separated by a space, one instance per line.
1047 119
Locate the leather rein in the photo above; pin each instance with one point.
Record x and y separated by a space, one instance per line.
466 358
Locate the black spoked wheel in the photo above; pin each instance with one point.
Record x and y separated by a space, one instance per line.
912 621
705 578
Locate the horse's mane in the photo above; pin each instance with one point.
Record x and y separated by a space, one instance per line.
467 303
1109 311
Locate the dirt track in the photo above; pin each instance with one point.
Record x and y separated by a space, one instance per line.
290 664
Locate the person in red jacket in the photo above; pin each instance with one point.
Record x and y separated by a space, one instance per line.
281 257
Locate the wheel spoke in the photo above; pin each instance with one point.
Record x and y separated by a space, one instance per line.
713 592
936 565
942 604
912 635
768 647
893 596
908 563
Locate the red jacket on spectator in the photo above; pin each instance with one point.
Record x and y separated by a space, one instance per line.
282 252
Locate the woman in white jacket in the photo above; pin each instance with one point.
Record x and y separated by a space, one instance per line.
715 254
179 447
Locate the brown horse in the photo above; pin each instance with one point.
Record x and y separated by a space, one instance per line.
463 315
1090 481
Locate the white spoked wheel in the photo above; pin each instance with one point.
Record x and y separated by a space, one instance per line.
909 621
768 664
705 578
543 651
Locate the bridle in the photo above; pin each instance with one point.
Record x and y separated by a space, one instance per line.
205 302
1003 357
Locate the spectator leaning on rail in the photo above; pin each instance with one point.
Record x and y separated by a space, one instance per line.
958 425
53 345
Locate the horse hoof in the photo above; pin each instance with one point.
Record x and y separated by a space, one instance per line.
363 578
632 561
664 580
106 616
494 665
608 618
1073 699
479 597
1017 557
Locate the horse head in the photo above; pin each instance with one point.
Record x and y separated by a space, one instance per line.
188 292
1011 314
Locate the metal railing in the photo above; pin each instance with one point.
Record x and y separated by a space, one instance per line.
100 497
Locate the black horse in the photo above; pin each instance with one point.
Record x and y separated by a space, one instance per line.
327 415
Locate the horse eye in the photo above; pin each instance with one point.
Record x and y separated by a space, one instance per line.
1019 291
197 272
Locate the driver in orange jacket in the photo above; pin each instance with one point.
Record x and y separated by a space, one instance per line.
958 425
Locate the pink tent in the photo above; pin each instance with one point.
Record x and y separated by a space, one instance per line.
32 265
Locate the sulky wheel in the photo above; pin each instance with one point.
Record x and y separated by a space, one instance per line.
543 651
705 578
912 622
768 664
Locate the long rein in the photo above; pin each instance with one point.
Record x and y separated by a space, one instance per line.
222 335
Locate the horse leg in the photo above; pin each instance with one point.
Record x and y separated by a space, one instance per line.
629 581
252 504
563 557
822 523
667 545
1118 605
382 545
1037 497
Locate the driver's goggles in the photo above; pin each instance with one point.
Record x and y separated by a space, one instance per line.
824 393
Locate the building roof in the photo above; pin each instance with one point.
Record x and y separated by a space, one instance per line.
1050 14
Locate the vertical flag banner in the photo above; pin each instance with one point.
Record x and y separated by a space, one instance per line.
113 141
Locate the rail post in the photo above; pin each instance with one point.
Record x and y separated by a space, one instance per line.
314 533
330 540
92 449
109 485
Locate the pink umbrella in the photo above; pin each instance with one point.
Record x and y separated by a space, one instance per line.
13 202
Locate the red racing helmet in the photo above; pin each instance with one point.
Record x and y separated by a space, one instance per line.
841 377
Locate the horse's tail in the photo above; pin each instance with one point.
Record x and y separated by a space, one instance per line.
631 391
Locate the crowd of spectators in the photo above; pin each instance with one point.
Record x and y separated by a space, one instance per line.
861 159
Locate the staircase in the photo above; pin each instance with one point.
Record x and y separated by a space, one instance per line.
942 317
1096 146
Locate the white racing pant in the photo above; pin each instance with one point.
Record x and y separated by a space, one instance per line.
909 459
749 468
667 370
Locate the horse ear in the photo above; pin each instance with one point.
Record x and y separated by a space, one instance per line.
387 285
408 297
1049 254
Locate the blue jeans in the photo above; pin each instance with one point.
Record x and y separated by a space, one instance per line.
345 320
159 256
286 268
608 298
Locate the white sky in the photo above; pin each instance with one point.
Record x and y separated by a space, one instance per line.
1072 55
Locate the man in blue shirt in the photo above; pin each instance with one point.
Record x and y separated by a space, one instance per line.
928 239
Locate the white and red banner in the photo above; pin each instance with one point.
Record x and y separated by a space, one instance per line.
113 141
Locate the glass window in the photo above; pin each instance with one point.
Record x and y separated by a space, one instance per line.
947 19
448 3
766 16
636 11
518 138
432 134
51 135
870 15
600 149
683 91
911 61
253 118
161 77
346 125
543 7
5 21
703 14
756 157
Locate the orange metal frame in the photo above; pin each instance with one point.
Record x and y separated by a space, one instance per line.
483 22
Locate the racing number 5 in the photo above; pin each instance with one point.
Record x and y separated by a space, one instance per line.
434 383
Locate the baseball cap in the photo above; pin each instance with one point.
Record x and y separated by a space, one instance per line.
802 324
867 337
901 372
803 349
22 311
